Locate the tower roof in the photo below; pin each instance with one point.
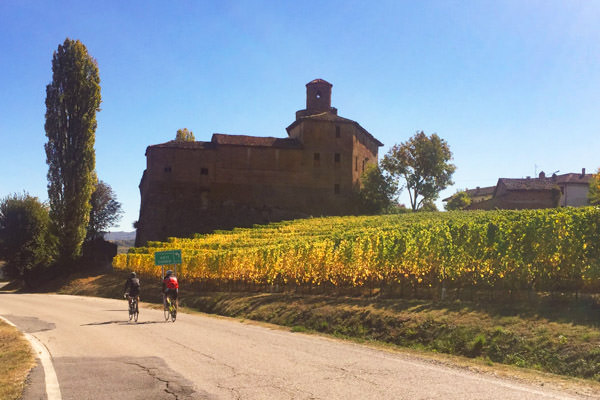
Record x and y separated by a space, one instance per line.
321 81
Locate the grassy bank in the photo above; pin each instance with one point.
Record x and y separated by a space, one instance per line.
551 334
16 360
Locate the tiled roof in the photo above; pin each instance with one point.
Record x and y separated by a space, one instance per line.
326 116
318 81
574 178
184 145
528 184
547 182
258 141
481 191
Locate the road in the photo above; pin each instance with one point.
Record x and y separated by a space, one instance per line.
97 354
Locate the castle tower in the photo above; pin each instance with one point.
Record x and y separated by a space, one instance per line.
318 98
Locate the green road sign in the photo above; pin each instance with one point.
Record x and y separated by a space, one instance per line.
167 257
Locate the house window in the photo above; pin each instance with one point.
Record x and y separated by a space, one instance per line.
336 188
337 131
167 169
317 159
203 171
337 157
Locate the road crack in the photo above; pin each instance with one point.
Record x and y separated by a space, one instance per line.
172 385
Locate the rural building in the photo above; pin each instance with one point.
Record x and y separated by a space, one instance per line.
237 180
567 190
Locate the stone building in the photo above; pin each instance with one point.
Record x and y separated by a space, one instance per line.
566 190
236 180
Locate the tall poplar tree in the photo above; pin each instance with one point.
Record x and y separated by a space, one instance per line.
72 100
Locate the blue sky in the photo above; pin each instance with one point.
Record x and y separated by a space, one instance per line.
513 86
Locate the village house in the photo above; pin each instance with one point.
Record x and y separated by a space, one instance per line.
566 190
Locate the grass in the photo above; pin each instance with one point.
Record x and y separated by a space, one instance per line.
16 360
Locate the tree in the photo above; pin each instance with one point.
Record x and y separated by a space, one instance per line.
25 240
428 205
72 100
423 162
183 135
594 193
377 192
105 212
458 201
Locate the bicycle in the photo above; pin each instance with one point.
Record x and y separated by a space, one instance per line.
169 309
134 311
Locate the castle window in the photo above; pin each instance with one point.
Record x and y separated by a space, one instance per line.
318 96
167 169
203 171
337 131
336 188
363 169
337 157
317 159
356 163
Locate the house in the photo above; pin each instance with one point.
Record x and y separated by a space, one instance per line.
567 190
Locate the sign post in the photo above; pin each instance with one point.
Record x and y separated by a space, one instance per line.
168 257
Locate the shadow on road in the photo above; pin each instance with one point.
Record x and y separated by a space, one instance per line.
121 322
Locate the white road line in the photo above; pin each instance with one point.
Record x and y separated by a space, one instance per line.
52 387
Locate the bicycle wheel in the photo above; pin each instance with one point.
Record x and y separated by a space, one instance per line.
173 313
131 311
167 311
136 312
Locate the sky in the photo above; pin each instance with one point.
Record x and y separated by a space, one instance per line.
512 86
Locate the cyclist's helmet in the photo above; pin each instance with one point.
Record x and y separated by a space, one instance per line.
132 275
169 272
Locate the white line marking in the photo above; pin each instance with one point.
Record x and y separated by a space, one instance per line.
52 387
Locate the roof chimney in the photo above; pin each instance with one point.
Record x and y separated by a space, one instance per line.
582 172
542 175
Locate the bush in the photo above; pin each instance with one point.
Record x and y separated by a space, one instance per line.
26 243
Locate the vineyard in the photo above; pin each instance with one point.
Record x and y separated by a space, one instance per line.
541 250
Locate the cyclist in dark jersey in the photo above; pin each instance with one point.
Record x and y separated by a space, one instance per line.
132 288
170 287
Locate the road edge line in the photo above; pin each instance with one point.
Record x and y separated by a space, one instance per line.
51 381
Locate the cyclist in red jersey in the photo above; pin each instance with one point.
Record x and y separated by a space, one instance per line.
170 287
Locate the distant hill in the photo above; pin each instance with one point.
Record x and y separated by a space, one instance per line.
118 236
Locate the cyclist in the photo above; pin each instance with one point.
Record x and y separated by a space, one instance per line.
132 289
170 287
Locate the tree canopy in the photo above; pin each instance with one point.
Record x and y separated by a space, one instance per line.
594 193
105 212
424 164
377 192
458 201
72 100
183 135
25 240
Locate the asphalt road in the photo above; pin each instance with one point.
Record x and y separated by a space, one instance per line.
98 354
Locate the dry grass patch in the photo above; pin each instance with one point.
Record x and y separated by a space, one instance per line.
16 360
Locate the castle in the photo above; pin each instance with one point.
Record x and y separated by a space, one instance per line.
235 180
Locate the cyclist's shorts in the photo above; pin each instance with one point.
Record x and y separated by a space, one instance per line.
171 293
134 292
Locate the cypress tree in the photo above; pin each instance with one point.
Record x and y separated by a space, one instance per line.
72 99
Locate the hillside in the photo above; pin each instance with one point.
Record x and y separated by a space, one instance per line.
120 236
409 255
